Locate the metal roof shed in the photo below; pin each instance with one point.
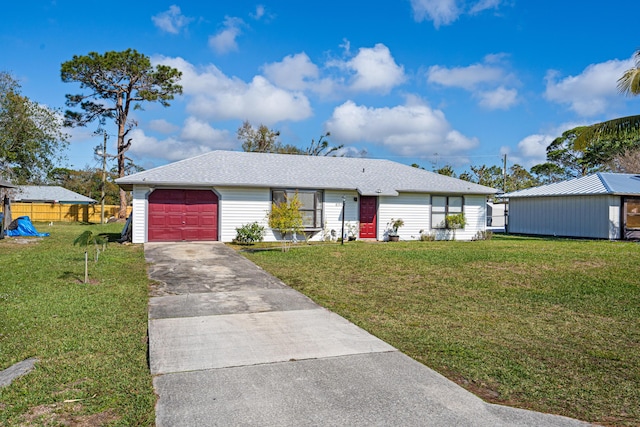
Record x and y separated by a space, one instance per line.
600 206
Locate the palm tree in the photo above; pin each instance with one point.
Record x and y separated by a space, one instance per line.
629 83
622 129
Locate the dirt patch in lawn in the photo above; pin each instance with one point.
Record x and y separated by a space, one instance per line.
67 415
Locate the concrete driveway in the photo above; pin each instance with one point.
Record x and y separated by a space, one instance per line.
230 345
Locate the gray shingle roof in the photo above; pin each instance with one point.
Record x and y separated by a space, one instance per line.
595 184
6 184
46 193
240 169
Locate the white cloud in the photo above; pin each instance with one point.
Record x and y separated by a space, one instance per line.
413 129
293 72
441 12
225 40
483 5
171 21
372 69
445 12
162 126
298 73
211 95
465 77
486 81
532 150
259 13
591 92
498 99
196 138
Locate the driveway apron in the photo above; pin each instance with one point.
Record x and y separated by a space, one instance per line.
231 345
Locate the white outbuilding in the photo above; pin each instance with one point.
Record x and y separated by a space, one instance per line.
598 206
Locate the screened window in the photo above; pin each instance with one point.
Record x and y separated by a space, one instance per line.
441 206
310 205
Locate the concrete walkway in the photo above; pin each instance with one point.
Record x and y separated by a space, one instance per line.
230 345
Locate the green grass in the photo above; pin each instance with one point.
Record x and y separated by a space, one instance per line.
544 324
90 339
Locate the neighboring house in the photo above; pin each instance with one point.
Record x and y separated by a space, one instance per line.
601 206
48 194
207 197
6 184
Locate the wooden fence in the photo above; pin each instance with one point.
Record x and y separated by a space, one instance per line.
47 212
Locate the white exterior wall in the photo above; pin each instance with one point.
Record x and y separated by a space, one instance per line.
332 213
241 206
139 213
413 208
475 212
567 216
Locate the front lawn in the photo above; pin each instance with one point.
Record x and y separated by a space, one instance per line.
545 324
90 339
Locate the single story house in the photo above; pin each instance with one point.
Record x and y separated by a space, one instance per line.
599 206
49 194
207 197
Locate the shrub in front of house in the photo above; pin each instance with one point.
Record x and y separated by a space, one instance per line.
250 233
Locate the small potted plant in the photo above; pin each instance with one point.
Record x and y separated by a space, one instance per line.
352 231
392 229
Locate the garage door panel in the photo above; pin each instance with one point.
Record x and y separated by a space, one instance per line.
208 220
176 215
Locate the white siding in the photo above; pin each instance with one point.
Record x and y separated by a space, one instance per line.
569 216
475 213
332 213
139 214
241 206
413 208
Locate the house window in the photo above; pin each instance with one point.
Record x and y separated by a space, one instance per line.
310 205
441 206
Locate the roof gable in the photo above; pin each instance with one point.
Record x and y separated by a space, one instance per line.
242 169
596 184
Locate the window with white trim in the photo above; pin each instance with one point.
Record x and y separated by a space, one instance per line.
441 206
310 205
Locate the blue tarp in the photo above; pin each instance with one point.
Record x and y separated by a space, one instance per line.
22 226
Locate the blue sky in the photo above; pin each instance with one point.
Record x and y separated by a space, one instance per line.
431 82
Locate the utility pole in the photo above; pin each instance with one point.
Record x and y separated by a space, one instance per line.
104 177
504 174
504 190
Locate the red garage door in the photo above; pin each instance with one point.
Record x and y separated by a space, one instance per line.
183 215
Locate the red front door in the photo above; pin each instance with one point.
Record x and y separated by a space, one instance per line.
368 217
183 215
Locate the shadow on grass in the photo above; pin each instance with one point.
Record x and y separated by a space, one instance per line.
69 275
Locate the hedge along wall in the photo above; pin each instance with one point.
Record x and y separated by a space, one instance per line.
47 212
